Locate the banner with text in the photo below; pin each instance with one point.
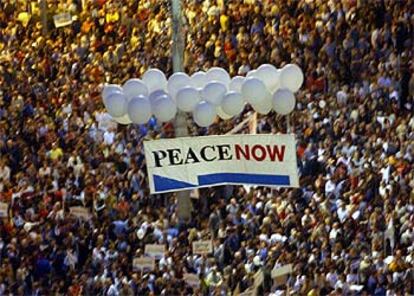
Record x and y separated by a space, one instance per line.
188 163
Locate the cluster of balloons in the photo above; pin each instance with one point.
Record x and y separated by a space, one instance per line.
205 94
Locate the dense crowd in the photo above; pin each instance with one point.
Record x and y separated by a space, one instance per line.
349 229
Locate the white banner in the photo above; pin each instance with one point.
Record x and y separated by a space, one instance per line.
189 163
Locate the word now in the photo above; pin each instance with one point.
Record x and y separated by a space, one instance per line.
208 153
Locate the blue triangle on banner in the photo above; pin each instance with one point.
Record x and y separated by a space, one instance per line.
164 183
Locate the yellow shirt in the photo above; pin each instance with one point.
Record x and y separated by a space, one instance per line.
56 153
224 22
112 17
134 41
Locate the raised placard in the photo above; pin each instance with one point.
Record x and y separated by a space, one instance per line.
80 212
155 251
202 247
143 264
3 210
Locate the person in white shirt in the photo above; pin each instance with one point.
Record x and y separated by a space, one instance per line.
109 137
4 173
45 170
329 185
332 278
113 289
335 232
342 212
308 219
342 95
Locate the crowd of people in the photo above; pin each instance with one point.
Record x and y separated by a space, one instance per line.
349 228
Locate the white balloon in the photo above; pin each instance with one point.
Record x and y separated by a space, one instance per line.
199 79
204 114
123 119
214 92
223 115
109 89
278 84
154 79
177 81
164 108
236 83
270 76
218 74
251 73
187 98
254 91
264 107
233 103
139 109
135 87
116 104
291 77
155 95
283 101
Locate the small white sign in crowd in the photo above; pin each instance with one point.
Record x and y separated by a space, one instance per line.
155 251
202 247
143 264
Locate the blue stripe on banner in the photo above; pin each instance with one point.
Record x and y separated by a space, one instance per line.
163 184
257 179
166 184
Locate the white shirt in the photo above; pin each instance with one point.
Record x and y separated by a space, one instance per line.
342 214
334 233
342 97
113 291
44 171
109 138
329 187
97 255
332 278
5 173
386 174
352 278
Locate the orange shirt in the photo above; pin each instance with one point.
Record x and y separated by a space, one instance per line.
86 26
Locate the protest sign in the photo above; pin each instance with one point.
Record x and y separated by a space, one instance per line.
155 251
81 213
143 264
202 247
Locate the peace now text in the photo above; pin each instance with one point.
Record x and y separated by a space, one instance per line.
208 153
